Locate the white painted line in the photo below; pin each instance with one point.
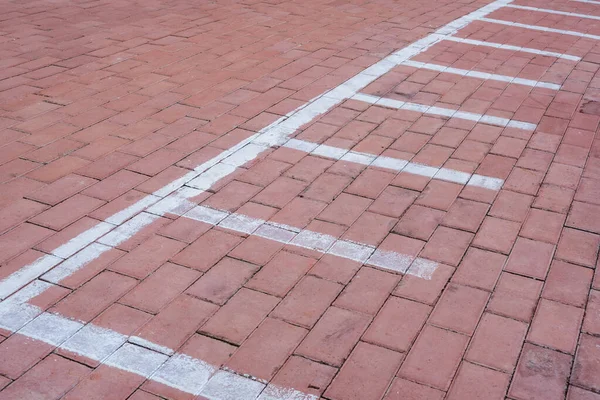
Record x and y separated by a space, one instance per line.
225 385
397 165
587 1
111 348
94 342
81 241
128 229
136 359
539 28
303 238
15 311
481 75
75 263
18 279
557 12
510 47
445 112
185 373
51 328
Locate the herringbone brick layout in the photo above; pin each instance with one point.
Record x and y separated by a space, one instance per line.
299 200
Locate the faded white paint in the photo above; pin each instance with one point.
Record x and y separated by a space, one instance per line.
481 75
511 47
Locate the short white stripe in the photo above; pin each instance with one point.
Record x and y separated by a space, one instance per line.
480 75
510 47
399 165
557 12
491 120
587 1
304 238
539 28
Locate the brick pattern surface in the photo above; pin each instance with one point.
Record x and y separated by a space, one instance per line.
104 103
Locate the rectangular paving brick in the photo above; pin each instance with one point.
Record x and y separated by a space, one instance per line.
236 320
397 324
174 324
377 363
334 336
222 281
147 257
532 379
207 250
50 378
309 299
367 291
160 288
281 273
266 349
96 295
434 358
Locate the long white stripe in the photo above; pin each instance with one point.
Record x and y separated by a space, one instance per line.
395 164
539 28
445 112
481 75
510 47
557 12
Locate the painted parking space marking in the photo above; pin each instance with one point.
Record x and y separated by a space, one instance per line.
539 28
587 1
481 75
396 164
444 112
556 12
511 47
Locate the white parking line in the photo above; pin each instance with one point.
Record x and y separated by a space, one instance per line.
557 12
515 48
396 164
445 112
587 1
319 242
539 28
481 75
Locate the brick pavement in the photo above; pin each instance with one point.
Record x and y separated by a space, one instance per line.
285 201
